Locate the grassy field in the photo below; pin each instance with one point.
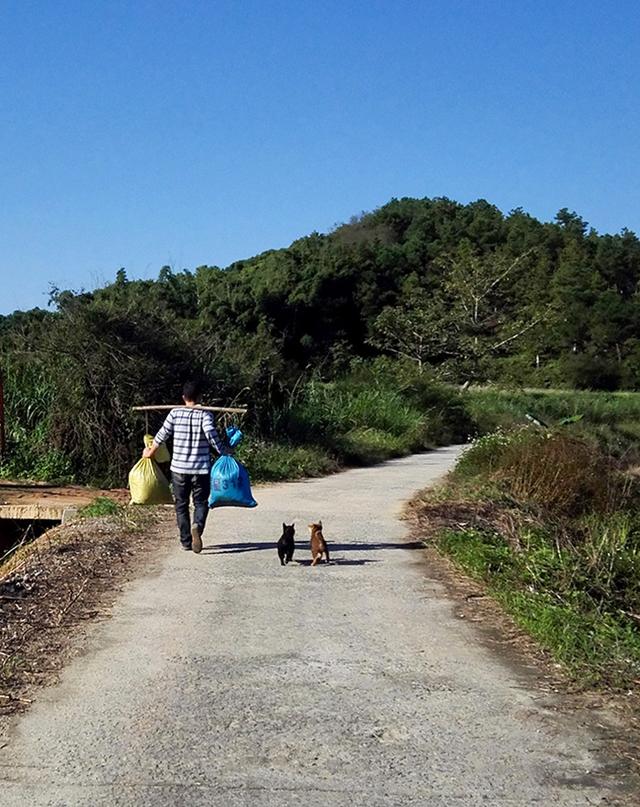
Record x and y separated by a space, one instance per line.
611 418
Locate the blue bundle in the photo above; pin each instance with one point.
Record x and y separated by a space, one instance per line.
230 486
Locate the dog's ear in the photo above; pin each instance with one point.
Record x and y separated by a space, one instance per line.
284 526
320 523
293 525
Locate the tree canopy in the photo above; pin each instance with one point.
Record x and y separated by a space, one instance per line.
465 292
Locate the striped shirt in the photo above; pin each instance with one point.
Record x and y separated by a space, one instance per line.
194 434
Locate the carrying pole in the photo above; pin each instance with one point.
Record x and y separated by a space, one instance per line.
234 410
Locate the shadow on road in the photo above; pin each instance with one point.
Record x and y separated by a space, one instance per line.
227 549
230 549
338 562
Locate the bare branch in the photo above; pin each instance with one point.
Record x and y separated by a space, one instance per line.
520 333
507 271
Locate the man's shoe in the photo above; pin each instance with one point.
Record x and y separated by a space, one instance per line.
196 540
186 547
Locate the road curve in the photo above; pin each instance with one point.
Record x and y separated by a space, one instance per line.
225 679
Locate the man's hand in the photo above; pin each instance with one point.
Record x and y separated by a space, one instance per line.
148 453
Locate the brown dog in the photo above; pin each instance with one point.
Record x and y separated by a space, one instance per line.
318 544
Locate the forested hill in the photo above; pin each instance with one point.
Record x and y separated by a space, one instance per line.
462 291
462 288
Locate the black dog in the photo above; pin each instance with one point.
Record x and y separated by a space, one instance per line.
286 544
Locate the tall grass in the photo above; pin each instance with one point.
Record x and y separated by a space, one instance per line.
271 461
32 452
358 425
378 411
559 545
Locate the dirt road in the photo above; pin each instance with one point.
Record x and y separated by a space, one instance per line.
225 679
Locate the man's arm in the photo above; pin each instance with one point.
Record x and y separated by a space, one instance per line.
212 435
166 430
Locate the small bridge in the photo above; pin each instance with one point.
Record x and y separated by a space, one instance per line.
34 502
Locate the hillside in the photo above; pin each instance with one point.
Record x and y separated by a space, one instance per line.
458 292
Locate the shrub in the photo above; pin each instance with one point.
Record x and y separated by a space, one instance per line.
591 372
565 475
562 474
269 461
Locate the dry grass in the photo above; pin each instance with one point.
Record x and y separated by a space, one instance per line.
51 586
565 475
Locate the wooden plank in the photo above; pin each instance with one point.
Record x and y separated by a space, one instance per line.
233 409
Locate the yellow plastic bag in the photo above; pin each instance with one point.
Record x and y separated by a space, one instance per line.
148 485
162 454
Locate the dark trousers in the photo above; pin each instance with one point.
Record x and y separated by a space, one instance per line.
185 485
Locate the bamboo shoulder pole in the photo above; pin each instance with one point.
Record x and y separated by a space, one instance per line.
235 410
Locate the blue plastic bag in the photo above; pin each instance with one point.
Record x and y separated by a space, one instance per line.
230 479
230 484
234 435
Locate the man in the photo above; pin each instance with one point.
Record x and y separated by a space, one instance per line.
194 434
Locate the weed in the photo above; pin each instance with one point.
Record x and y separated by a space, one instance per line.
551 598
100 506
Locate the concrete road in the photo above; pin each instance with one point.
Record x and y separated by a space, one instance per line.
225 679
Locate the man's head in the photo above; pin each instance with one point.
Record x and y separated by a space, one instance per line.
191 392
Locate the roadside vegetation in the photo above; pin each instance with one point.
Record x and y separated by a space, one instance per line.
549 521
611 419
379 411
376 411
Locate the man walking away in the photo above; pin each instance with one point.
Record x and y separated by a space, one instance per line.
194 434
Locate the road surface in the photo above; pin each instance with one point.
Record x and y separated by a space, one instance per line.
225 679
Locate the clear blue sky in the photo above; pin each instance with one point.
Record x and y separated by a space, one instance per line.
147 132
